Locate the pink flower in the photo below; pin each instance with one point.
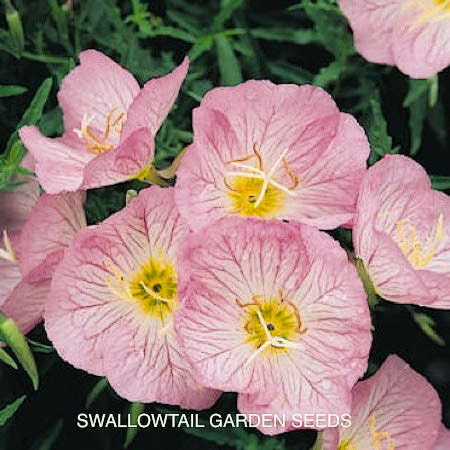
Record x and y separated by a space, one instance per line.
394 409
413 35
110 124
35 234
267 151
443 440
112 299
275 312
402 233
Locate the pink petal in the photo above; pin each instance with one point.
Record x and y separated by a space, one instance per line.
240 258
59 161
121 164
10 277
49 231
443 440
95 328
95 87
25 303
421 49
151 106
403 404
16 205
395 190
373 22
301 123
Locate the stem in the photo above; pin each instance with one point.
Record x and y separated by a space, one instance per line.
45 58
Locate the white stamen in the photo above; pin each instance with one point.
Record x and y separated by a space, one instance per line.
274 341
9 254
261 175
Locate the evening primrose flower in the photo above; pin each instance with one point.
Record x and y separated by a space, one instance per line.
110 124
271 152
112 301
402 233
275 312
413 35
394 409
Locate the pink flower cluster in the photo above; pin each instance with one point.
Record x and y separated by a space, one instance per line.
225 282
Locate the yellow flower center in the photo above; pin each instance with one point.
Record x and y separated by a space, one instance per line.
244 192
346 445
429 13
106 141
271 325
419 250
153 287
254 192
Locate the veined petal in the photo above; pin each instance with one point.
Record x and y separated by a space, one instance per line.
154 101
95 87
132 157
49 231
112 300
238 267
397 407
443 440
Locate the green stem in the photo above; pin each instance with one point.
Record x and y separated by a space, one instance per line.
45 58
372 296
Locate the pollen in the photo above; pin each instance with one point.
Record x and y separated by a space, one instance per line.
419 251
255 192
377 437
152 288
271 325
105 142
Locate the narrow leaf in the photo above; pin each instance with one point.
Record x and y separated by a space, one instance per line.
135 410
7 359
47 440
9 91
19 345
7 412
99 387
440 183
229 67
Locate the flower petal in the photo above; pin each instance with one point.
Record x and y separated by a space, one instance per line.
398 401
49 231
156 98
122 164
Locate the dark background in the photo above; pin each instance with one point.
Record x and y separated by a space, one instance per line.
49 415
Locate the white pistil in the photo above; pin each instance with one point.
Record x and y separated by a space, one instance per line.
85 121
152 293
8 253
274 341
261 175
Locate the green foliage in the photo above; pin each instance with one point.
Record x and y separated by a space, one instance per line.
8 411
11 335
135 410
228 41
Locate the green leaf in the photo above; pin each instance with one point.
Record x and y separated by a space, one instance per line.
99 387
417 103
329 74
293 35
40 348
34 110
381 142
229 67
135 410
204 44
11 90
427 324
227 8
441 183
12 336
7 412
36 107
7 359
47 440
